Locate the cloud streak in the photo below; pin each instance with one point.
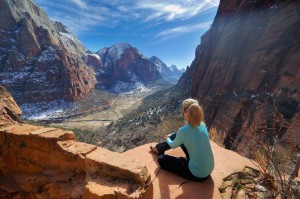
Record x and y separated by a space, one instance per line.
112 13
184 29
80 3
165 11
180 30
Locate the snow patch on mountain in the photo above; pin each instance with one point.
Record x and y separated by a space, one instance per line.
117 50
67 35
125 87
96 56
47 110
46 55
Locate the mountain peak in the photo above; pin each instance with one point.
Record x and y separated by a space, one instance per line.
118 49
173 67
125 66
60 27
122 44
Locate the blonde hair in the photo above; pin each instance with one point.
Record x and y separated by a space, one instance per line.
194 112
187 103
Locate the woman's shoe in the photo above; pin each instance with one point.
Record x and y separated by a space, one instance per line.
153 149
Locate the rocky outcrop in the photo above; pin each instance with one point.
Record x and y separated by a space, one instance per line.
40 60
94 61
168 185
170 74
247 63
39 162
9 110
124 63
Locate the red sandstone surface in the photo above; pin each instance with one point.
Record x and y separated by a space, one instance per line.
50 162
9 110
168 186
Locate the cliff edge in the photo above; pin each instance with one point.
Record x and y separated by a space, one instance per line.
44 162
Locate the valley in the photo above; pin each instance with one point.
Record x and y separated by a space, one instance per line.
100 108
95 118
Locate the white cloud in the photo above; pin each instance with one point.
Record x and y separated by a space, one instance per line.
166 11
179 30
80 3
111 13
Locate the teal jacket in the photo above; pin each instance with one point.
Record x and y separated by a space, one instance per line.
196 141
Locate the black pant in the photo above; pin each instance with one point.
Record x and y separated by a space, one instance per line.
175 165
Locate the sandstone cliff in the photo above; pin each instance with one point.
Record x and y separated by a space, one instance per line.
39 59
9 110
247 62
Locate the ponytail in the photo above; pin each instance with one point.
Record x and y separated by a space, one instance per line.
194 115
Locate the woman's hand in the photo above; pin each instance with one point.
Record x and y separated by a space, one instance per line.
168 135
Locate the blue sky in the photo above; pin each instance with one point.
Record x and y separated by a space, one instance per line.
170 30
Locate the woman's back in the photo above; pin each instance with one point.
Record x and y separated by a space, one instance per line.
196 141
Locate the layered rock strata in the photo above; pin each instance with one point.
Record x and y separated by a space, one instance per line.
40 60
9 110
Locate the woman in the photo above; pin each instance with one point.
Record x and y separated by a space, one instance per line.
194 141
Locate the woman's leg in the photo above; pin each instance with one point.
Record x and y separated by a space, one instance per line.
164 146
178 166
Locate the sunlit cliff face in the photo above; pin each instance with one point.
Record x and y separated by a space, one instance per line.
245 62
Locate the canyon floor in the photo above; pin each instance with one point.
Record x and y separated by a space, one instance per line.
98 111
112 108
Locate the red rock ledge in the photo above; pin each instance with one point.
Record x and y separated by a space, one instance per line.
41 162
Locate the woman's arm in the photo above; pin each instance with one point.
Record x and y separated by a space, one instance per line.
177 141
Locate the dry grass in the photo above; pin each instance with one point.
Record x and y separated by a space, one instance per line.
275 155
217 136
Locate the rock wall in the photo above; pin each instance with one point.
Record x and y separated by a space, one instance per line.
247 68
9 110
40 60
39 162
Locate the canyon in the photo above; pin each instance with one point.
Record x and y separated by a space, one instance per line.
245 75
